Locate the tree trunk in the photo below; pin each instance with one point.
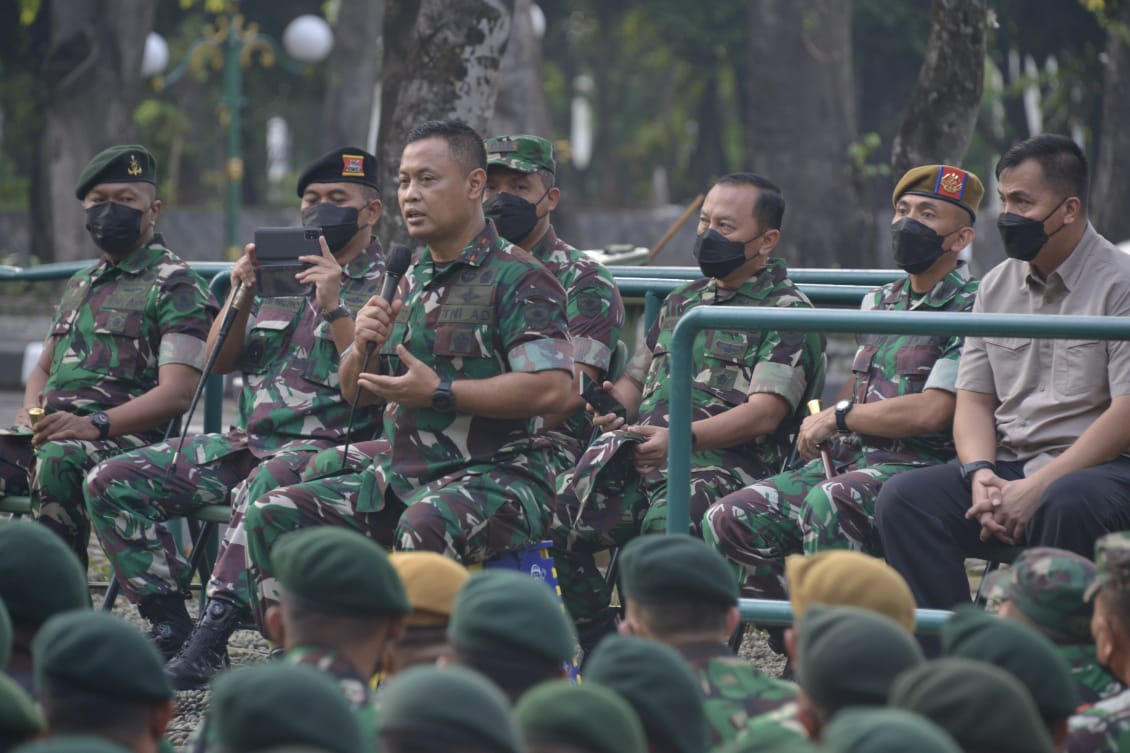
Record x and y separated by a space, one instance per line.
92 77
801 123
441 60
351 80
1110 192
521 106
939 118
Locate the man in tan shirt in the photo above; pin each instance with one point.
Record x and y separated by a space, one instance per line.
1042 427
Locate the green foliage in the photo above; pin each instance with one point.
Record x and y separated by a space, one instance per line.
866 156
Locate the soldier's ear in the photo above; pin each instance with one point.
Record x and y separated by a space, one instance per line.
276 632
790 645
476 184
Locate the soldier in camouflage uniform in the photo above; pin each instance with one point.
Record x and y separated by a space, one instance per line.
123 354
746 385
679 591
897 415
1044 588
474 350
287 350
1105 726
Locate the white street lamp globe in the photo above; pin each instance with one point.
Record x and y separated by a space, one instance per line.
156 56
308 39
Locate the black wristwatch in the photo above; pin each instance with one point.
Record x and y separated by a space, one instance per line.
443 399
101 422
843 408
339 313
968 469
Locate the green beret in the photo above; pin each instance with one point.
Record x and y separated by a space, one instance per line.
655 569
454 704
522 153
71 744
1046 585
339 570
848 656
39 575
867 730
979 705
269 705
950 184
1112 563
125 163
347 164
100 653
503 610
589 717
768 737
1018 649
19 718
659 685
5 636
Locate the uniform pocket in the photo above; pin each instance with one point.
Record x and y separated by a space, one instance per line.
1079 366
462 341
914 364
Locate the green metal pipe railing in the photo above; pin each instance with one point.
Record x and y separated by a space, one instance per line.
770 613
818 276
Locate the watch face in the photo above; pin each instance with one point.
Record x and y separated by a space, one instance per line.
843 405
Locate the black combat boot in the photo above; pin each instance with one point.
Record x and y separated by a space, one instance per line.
169 621
206 651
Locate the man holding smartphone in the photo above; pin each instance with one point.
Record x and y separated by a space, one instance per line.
291 407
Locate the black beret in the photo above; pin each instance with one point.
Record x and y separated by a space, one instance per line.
19 718
677 567
339 570
72 744
100 653
39 575
270 705
348 164
592 718
126 163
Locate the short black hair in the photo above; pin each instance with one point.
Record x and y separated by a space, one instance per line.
309 624
1061 161
770 207
463 143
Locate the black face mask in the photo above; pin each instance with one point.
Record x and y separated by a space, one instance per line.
916 246
718 256
115 228
1023 237
513 216
339 224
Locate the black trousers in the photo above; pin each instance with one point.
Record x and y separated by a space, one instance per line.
926 537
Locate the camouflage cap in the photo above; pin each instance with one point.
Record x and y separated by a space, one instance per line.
431 582
39 575
522 153
881 730
849 579
588 717
127 163
347 164
950 184
1046 585
657 569
19 717
72 744
1112 563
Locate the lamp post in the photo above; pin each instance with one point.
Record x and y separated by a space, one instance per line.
230 45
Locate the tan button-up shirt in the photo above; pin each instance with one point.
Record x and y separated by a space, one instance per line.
1050 391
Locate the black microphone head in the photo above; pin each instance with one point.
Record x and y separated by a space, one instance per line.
398 260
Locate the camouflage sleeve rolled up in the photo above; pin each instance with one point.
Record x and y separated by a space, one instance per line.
1103 728
596 315
785 363
532 324
184 332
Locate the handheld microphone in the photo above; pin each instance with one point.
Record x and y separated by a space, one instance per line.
397 264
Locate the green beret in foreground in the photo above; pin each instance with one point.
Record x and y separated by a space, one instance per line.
950 184
100 653
71 744
850 657
339 570
588 717
39 575
270 705
431 582
126 163
347 164
979 705
1046 585
19 718
851 579
771 738
657 682
449 704
522 153
5 636
1112 563
885 731
676 568
503 610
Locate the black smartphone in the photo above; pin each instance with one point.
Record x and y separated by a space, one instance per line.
276 260
593 393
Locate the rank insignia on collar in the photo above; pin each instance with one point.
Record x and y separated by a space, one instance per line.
352 166
134 168
951 182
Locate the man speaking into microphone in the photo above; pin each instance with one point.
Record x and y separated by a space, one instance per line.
473 350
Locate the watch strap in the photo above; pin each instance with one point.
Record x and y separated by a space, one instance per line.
841 419
968 469
339 313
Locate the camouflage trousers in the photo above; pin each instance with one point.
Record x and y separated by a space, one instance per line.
131 498
330 462
793 512
470 516
53 476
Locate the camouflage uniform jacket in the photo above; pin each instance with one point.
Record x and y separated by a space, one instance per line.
117 324
290 398
735 692
1094 682
730 365
353 686
595 313
1103 728
779 725
492 311
887 366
